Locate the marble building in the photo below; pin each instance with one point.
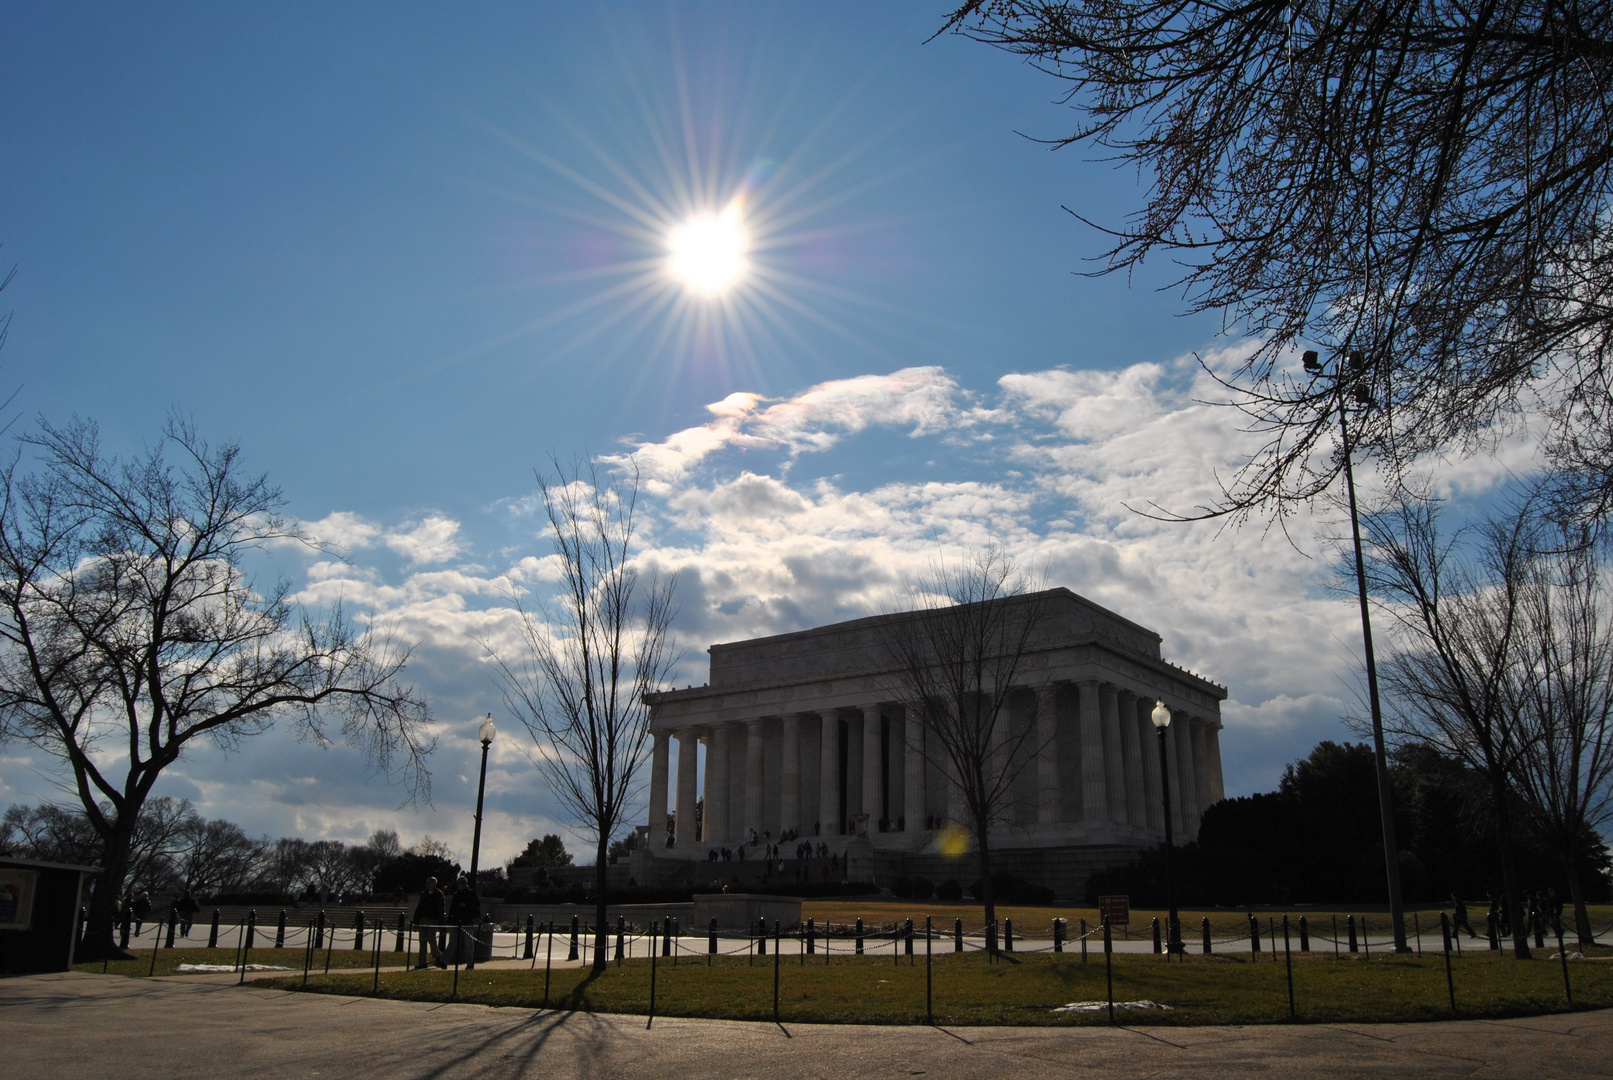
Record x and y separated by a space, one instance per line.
803 732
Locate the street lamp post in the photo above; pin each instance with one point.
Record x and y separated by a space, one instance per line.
1161 716
1386 810
485 733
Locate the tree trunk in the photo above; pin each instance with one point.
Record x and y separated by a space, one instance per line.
601 931
988 895
98 942
1582 916
1509 874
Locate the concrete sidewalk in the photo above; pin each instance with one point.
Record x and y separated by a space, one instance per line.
68 1026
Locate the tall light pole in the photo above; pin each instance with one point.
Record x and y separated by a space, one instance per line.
1161 716
1386 810
485 733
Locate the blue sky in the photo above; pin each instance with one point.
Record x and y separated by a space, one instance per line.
402 253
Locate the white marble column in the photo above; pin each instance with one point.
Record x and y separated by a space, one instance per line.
873 772
688 790
718 769
914 803
659 762
753 780
1094 790
1181 729
1114 762
829 775
1150 753
1201 765
790 796
1173 769
1212 744
1047 754
1132 759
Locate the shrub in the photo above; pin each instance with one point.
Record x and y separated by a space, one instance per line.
949 890
923 888
903 888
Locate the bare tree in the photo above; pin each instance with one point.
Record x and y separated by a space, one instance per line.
130 630
1424 182
589 657
958 655
219 857
1458 607
1564 702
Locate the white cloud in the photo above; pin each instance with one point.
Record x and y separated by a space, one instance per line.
429 541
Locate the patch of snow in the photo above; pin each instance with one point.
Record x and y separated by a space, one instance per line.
220 969
1102 1006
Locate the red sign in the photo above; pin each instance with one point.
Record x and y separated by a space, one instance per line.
1117 909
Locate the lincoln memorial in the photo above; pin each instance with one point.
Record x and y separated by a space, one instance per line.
803 735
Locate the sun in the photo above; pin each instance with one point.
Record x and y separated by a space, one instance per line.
706 253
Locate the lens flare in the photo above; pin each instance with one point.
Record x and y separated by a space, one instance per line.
706 253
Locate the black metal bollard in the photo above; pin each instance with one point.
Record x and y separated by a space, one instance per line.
1304 935
761 937
676 934
573 953
1254 935
397 945
991 939
1349 929
1562 954
711 938
251 927
358 931
621 938
1495 931
812 936
280 930
666 938
212 933
651 1020
929 986
173 921
1058 935
531 932
859 937
319 933
907 935
1008 935
957 935
777 928
1083 941
1205 929
1158 948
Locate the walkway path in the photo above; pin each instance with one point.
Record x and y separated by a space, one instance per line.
63 1027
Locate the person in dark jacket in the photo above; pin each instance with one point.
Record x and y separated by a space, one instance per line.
187 907
141 909
428 918
1459 919
464 909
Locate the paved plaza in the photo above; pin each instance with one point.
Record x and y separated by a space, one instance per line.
68 1026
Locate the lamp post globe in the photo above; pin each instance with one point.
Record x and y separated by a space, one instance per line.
1161 717
486 732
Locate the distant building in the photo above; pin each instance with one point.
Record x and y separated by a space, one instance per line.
802 735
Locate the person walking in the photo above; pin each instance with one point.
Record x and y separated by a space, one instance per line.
187 907
141 909
1459 916
428 918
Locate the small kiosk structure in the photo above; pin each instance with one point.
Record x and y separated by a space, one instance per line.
39 904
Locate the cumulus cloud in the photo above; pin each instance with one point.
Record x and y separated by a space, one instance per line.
433 540
924 400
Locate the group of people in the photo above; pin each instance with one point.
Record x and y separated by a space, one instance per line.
134 911
437 915
1543 911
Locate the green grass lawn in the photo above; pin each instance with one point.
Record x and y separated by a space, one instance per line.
969 989
170 959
